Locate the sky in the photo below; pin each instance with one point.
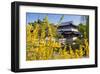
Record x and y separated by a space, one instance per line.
54 18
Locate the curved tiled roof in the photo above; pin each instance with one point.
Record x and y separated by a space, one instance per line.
66 24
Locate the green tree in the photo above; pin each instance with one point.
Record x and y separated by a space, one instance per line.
85 21
82 28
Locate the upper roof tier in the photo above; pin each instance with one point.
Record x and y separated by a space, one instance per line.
67 25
